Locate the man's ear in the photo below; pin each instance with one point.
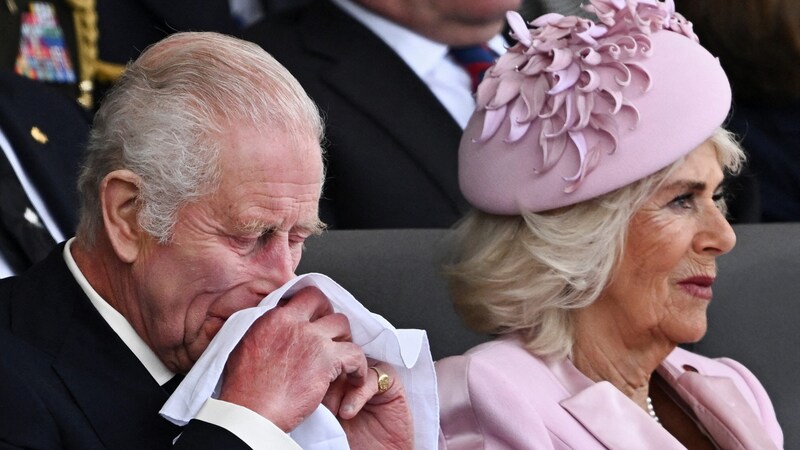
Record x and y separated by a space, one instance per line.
119 192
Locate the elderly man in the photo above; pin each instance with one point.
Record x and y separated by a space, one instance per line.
202 180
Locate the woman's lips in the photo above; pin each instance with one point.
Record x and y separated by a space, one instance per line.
699 286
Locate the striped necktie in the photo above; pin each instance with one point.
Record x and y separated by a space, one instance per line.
475 59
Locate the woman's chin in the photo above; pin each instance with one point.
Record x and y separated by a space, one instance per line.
692 335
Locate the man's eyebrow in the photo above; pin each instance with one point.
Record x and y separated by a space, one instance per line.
313 228
255 226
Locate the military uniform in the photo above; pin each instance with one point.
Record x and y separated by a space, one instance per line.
58 42
46 133
20 23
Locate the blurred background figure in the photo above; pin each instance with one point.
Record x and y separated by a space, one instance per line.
38 41
82 46
534 8
53 53
274 6
127 27
394 97
758 44
42 134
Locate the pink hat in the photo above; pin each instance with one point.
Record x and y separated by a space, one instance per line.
579 108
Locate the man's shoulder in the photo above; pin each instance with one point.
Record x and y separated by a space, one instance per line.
38 305
50 276
65 374
23 371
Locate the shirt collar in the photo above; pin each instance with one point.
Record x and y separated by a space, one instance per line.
498 44
419 53
119 324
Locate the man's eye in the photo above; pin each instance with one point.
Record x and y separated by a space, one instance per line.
246 243
240 241
297 240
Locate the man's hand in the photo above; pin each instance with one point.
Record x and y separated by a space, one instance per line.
370 419
287 360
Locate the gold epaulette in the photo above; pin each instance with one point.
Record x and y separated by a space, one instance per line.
91 68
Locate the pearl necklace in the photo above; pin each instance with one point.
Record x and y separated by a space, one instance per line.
651 410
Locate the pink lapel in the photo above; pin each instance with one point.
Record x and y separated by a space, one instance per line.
720 408
610 416
616 421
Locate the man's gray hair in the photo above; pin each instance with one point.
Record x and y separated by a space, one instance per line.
527 273
165 120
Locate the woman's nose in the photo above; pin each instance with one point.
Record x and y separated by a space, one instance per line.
717 235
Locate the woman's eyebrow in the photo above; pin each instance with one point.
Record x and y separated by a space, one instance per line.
688 184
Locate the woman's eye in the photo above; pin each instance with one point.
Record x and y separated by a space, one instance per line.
719 199
684 201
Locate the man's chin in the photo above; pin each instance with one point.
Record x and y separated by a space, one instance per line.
193 350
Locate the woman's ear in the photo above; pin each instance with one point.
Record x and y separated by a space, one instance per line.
119 192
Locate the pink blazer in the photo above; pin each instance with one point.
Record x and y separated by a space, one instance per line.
499 396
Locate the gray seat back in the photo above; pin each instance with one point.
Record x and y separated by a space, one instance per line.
754 315
394 273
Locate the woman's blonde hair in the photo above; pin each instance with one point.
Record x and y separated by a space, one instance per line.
526 273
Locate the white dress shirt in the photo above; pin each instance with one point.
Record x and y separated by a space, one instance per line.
448 81
247 425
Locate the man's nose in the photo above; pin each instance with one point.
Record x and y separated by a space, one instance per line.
277 260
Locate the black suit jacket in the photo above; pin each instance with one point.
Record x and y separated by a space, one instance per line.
67 381
127 27
392 147
52 166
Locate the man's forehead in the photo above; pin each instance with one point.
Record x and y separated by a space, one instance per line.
271 198
245 148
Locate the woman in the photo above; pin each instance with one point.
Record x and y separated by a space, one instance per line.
595 161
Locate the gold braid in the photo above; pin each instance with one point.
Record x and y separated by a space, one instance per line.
84 14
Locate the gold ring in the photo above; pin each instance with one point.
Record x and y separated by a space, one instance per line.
384 380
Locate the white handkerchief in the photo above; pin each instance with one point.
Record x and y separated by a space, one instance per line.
405 349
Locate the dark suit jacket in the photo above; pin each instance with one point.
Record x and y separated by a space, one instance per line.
53 166
67 381
127 27
392 147
771 136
